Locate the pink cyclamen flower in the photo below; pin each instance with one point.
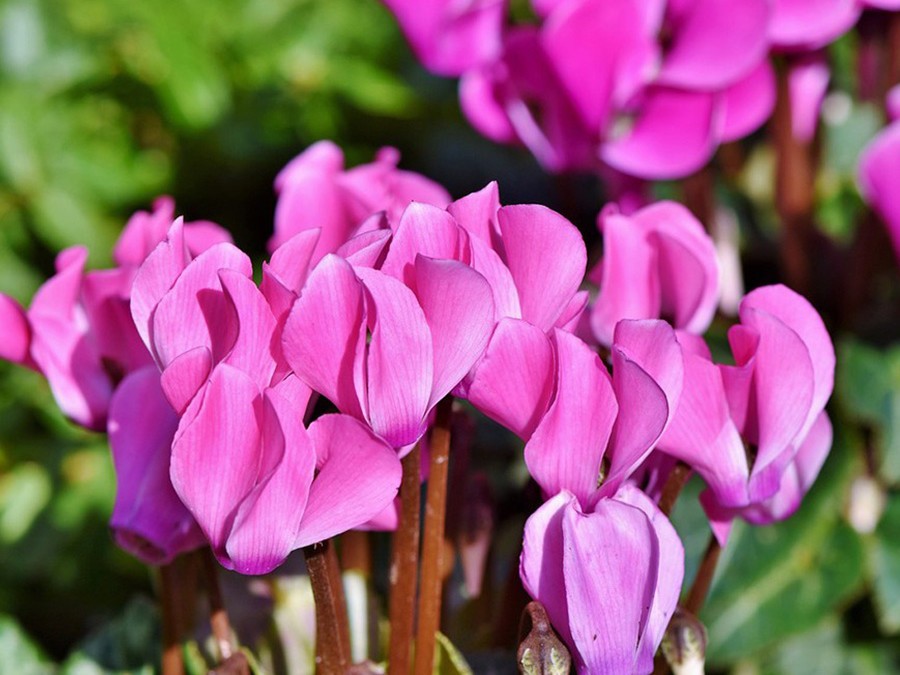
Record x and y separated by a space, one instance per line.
596 83
382 352
315 191
609 577
257 481
772 399
657 263
599 555
879 166
78 332
448 36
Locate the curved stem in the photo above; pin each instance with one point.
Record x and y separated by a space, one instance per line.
676 481
703 580
404 564
433 540
169 597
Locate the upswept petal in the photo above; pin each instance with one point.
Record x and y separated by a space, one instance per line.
807 24
686 264
367 249
324 338
285 273
572 315
628 287
481 101
195 311
268 519
879 163
503 288
600 52
15 342
808 79
398 389
185 376
513 383
748 102
358 479
215 454
610 565
148 519
143 231
457 304
424 230
781 388
541 563
546 255
448 37
477 213
703 435
800 316
714 44
670 561
156 276
799 476
648 373
674 134
566 451
252 351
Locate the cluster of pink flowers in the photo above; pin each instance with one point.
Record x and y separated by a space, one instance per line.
649 89
383 296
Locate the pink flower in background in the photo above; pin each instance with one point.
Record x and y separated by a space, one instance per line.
657 263
772 399
315 191
879 167
649 89
451 36
78 331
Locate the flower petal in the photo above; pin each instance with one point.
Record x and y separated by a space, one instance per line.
514 381
359 478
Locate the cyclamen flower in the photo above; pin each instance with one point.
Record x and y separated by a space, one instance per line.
599 555
381 352
879 166
772 399
259 483
314 191
594 83
659 262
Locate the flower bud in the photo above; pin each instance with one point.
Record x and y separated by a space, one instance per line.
684 644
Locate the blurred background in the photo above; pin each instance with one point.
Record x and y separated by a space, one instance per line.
105 104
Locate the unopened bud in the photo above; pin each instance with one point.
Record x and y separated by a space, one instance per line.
541 652
866 504
684 644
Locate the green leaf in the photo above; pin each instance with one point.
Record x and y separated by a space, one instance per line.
447 659
24 493
885 564
823 651
780 580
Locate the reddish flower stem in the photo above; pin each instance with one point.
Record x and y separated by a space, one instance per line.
794 190
676 481
172 627
404 566
433 539
703 580
332 634
218 616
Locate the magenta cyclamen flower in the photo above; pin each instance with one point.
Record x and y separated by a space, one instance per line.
381 352
314 191
879 168
599 555
772 400
259 483
657 263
